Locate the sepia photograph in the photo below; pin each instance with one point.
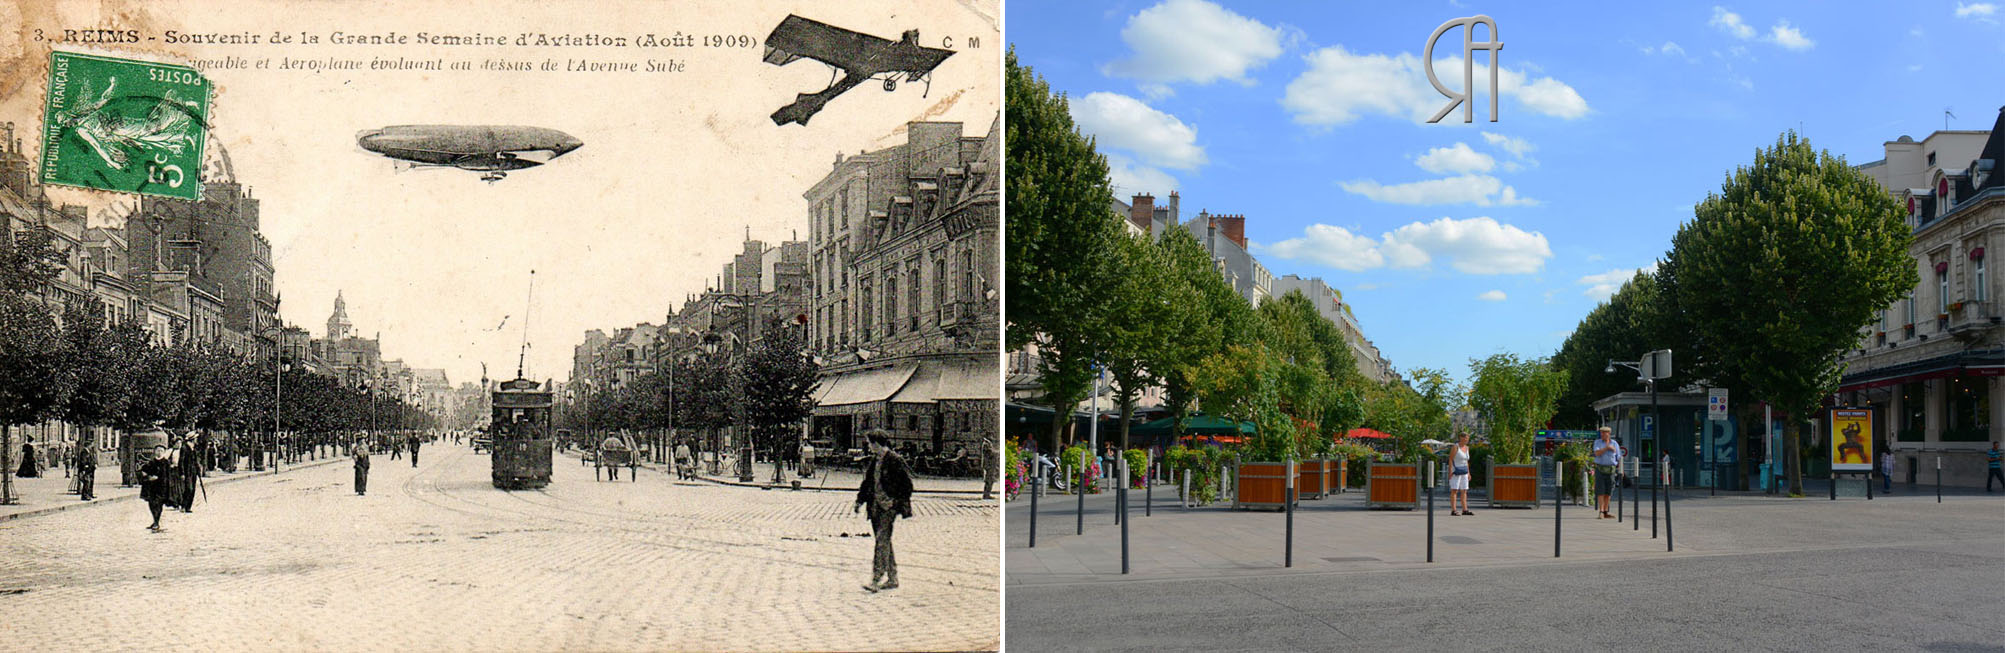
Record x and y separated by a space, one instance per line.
518 326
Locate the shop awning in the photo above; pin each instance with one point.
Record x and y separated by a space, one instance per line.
935 381
1968 363
921 387
865 386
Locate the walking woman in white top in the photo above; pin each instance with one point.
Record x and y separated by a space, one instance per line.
1458 479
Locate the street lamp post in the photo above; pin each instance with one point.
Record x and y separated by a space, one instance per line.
1655 365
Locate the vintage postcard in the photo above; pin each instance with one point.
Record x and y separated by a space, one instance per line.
665 325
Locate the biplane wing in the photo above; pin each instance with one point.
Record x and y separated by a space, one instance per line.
860 56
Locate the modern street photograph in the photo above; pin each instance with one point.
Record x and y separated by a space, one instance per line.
621 326
1668 327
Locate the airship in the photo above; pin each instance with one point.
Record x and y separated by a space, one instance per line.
492 150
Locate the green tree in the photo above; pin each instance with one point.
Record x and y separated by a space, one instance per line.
1243 383
1216 317
1061 245
1630 323
1777 273
1514 397
1134 340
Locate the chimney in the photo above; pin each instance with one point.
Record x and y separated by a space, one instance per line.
1174 217
1142 211
1234 227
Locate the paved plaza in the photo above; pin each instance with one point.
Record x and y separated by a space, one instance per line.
1750 571
435 558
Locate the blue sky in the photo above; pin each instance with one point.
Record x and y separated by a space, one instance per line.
1454 240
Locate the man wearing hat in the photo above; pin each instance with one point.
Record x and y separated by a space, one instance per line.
188 464
86 468
887 490
362 467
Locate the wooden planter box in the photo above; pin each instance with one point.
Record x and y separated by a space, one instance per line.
1339 471
1312 479
1260 485
1514 486
1392 485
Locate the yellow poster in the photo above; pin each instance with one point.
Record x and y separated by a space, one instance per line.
1852 439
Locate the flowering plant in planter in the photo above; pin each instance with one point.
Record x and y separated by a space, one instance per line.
1138 464
1089 478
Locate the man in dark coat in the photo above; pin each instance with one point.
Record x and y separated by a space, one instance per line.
155 479
189 472
86 465
362 468
887 491
414 449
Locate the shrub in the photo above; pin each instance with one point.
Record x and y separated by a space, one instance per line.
1068 465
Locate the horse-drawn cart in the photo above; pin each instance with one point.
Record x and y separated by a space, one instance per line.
614 453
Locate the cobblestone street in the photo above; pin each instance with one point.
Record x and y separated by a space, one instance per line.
435 558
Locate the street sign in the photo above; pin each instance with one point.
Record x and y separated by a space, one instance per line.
1561 434
1716 404
1655 365
1649 427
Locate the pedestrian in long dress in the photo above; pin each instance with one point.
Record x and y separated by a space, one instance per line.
887 491
155 481
361 468
189 467
28 467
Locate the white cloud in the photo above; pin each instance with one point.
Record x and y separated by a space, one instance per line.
1492 296
1481 190
1339 87
1333 246
1130 178
1515 145
1730 23
1458 158
1789 37
1473 246
1193 41
1157 138
1602 286
1978 10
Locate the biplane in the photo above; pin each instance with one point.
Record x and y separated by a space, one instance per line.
861 57
491 150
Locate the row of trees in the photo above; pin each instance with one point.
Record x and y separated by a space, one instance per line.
1156 312
770 383
94 373
1762 292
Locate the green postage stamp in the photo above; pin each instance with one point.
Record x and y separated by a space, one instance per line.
124 125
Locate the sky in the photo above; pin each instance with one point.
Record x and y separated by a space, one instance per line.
675 169
1454 240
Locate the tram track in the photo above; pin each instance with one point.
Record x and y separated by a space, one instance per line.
621 524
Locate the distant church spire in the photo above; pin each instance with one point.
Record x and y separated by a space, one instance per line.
338 326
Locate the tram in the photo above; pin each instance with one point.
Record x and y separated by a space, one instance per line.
520 433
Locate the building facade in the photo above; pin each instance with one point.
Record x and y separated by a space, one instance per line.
905 307
1931 365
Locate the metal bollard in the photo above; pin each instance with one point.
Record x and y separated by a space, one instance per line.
1667 518
1124 522
1636 500
1430 513
1558 492
1869 486
1938 480
1036 485
1834 486
1288 506
1656 478
1185 493
1079 488
1149 489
